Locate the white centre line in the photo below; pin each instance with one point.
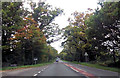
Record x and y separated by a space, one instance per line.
35 74
39 72
47 67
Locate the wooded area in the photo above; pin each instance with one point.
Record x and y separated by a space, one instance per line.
91 36
25 33
94 36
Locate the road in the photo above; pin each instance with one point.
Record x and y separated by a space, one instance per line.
63 69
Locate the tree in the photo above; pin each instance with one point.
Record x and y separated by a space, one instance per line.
76 43
104 30
11 21
23 39
44 14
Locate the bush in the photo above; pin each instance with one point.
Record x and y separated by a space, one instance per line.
116 64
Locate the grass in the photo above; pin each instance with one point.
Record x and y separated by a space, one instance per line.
97 66
26 66
65 61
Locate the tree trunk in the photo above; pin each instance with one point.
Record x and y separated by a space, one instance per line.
114 57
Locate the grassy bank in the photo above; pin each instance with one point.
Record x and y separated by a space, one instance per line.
97 66
26 66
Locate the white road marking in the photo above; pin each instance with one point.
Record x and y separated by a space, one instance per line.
74 69
82 70
44 68
39 72
35 74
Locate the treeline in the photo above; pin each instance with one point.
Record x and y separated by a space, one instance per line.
26 33
96 33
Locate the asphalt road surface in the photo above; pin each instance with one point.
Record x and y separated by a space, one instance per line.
63 69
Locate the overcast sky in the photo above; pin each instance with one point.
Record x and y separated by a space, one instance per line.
69 6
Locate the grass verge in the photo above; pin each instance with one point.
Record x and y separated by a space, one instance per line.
97 66
26 66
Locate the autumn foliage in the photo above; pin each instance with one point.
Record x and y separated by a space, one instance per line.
29 31
22 37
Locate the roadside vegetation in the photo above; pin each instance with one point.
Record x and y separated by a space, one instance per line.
27 66
94 36
26 33
91 36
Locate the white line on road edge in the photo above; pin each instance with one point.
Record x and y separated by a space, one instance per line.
74 69
35 74
81 70
39 72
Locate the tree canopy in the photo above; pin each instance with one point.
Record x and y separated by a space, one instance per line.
24 36
95 33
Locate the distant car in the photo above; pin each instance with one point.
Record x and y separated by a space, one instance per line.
57 61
